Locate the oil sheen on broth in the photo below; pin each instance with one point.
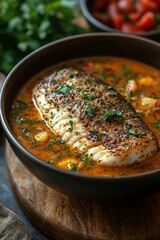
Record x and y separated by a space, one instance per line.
136 82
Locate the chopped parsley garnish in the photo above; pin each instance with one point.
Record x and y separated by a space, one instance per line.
94 134
65 147
96 137
54 81
33 143
36 121
110 87
55 140
94 130
99 121
104 75
89 110
157 124
59 156
71 76
120 89
16 110
136 134
87 97
69 153
86 160
129 73
26 130
20 120
21 105
128 94
114 115
123 174
111 74
70 129
51 162
63 89
49 147
72 167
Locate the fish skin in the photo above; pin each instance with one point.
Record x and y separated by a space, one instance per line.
73 97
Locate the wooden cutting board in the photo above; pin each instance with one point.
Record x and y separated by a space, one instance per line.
64 218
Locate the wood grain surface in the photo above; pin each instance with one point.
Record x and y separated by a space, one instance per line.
64 218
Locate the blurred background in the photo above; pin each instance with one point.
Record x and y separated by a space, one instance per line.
26 25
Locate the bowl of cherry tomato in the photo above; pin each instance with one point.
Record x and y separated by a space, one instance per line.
141 17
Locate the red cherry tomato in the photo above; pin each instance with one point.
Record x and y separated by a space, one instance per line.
135 16
130 28
149 5
113 10
118 21
139 7
146 22
88 67
157 104
126 6
157 1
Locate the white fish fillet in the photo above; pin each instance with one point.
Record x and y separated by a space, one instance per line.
73 105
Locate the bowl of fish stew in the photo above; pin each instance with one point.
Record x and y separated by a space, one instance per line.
85 118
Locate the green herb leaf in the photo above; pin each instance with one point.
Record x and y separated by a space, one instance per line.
16 110
51 162
96 137
33 143
72 167
71 126
49 147
30 24
110 87
87 97
63 89
86 160
129 73
157 124
94 130
131 131
123 174
114 115
21 105
55 140
19 120
111 74
89 111
36 121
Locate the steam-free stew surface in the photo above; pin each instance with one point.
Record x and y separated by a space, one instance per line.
138 83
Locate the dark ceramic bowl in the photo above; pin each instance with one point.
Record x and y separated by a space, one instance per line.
78 185
86 6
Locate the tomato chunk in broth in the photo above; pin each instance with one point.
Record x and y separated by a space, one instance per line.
136 82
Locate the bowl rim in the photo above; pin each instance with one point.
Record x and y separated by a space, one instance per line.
103 27
8 131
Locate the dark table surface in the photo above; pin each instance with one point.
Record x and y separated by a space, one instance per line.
7 198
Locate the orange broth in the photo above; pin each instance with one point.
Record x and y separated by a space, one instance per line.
137 82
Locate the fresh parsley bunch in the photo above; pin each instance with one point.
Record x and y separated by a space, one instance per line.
28 24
